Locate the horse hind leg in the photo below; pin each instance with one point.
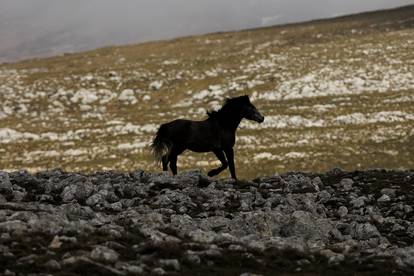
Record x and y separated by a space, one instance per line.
224 164
172 158
173 163
164 161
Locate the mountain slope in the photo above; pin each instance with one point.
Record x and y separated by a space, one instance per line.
334 92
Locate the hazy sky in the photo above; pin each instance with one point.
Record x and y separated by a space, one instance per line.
71 25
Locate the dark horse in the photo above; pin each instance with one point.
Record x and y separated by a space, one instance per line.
217 134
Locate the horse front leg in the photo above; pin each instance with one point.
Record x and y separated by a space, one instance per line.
230 158
222 158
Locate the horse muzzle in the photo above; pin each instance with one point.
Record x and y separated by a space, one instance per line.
258 118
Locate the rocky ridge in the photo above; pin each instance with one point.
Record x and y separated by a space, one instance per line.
119 223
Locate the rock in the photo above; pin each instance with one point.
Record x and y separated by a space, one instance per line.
389 192
364 231
404 257
346 184
324 196
169 264
95 199
18 196
358 202
117 207
104 254
304 225
9 273
342 211
52 265
262 224
5 184
134 269
75 211
158 271
333 258
192 257
202 236
76 188
298 183
56 243
80 262
408 209
410 230
384 198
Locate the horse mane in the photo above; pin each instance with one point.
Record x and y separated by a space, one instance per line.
229 106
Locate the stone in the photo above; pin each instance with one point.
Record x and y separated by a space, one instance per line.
117 207
52 265
324 196
202 236
405 257
384 198
299 183
358 202
346 184
5 184
158 271
410 230
364 231
389 192
192 257
304 225
169 264
104 254
134 269
95 199
56 243
76 187
342 211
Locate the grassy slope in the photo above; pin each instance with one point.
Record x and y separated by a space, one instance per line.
335 92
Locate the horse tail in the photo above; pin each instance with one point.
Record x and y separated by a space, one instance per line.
161 145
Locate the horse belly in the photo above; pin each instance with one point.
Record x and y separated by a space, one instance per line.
203 143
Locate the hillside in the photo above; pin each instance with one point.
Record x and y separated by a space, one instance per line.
335 93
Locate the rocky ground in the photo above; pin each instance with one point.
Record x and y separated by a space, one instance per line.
139 223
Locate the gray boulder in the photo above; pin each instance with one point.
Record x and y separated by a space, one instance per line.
5 184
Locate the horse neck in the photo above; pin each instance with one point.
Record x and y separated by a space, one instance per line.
229 120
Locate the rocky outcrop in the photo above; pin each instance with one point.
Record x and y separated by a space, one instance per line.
140 223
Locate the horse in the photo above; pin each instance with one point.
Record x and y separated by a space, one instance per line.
215 134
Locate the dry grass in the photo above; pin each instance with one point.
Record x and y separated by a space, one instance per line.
358 112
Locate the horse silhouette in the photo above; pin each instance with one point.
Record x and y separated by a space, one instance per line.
216 134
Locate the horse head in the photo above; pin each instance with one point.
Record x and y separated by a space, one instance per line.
250 112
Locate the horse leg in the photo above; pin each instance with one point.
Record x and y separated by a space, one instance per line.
172 158
164 163
230 158
222 158
173 163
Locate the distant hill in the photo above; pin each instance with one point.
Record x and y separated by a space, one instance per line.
46 28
